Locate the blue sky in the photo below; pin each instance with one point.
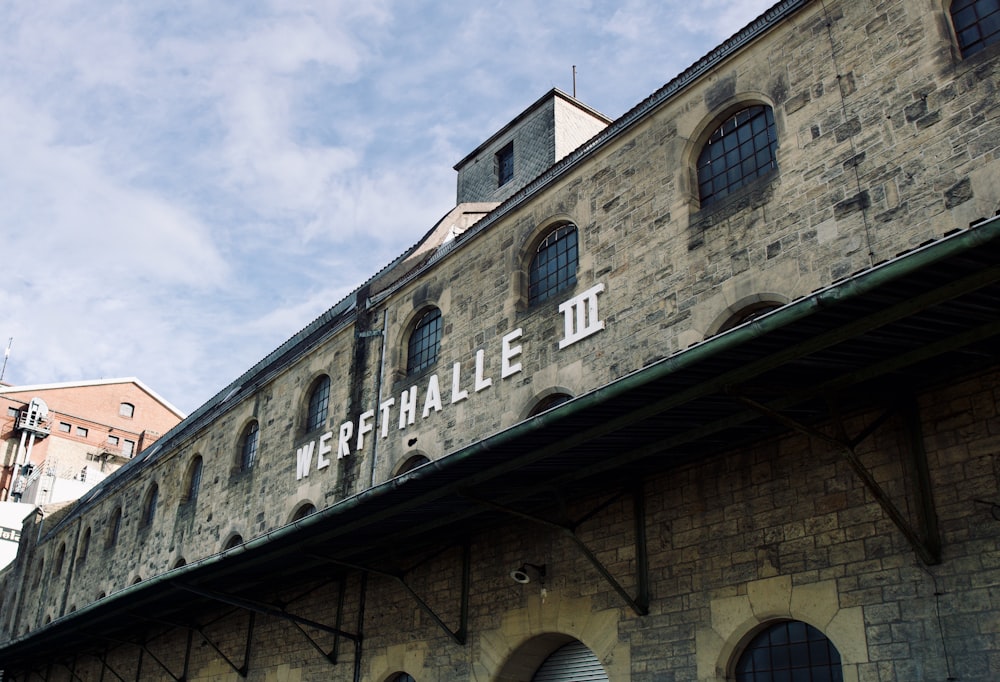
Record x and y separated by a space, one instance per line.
186 184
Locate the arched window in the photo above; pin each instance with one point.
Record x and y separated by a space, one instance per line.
411 464
114 526
553 267
740 150
81 556
747 313
548 402
60 558
126 410
790 650
319 401
425 342
193 479
235 541
181 561
977 24
304 511
248 446
149 508
402 677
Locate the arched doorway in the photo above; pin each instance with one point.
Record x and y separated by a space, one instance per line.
572 662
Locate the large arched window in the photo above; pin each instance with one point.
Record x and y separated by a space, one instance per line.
411 463
248 446
553 267
319 402
789 650
193 479
425 342
977 24
740 150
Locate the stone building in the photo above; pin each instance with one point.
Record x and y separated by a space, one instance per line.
712 397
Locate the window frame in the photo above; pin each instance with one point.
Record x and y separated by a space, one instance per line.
193 479
149 507
966 47
558 242
735 167
126 410
318 405
423 343
770 632
249 445
504 160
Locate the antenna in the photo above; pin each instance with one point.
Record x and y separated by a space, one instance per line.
574 81
6 354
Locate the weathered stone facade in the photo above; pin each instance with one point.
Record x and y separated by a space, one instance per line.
887 139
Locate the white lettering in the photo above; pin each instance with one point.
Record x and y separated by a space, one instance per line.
384 410
580 318
343 444
433 399
322 461
481 383
458 394
407 407
509 352
364 427
303 459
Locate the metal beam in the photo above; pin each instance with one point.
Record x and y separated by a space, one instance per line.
459 635
640 604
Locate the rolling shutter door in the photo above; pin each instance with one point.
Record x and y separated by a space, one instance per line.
573 662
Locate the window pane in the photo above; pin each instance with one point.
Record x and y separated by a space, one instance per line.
425 342
553 268
741 149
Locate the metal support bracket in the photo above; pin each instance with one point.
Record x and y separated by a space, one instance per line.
927 548
459 635
639 603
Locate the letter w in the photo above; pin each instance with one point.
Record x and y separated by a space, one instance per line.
303 460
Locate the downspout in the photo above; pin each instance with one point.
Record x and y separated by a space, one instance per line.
378 395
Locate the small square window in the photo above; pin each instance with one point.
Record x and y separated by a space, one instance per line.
128 447
12 412
112 440
64 427
82 431
505 164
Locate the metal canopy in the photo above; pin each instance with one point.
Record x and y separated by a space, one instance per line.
928 316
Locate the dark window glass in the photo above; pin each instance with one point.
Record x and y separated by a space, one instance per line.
505 165
194 480
741 149
248 447
792 651
548 402
977 24
303 511
152 499
60 557
412 463
319 401
114 527
234 541
84 547
554 266
425 342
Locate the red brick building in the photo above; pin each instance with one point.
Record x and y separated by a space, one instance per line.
80 430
